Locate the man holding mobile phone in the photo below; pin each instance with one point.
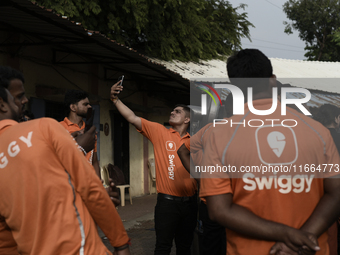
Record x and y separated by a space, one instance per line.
77 106
176 208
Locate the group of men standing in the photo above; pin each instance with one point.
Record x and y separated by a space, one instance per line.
279 212
51 198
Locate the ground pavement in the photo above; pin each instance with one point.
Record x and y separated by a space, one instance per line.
138 221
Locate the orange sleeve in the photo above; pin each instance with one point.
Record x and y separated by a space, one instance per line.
215 183
86 183
150 130
8 245
196 141
187 144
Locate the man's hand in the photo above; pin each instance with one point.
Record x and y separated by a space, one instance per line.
280 248
113 193
86 140
296 242
122 252
115 90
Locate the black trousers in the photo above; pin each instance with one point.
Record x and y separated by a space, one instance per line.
213 240
175 220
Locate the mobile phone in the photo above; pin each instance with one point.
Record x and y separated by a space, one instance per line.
121 78
105 177
89 119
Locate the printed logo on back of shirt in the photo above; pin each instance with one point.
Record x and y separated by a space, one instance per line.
170 146
283 183
276 146
276 141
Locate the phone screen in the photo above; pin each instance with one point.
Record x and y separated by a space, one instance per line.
121 78
89 119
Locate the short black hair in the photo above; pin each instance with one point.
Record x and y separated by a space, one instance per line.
246 66
72 97
10 73
3 93
249 63
326 114
185 108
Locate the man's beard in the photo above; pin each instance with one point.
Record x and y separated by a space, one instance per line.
83 115
22 116
15 115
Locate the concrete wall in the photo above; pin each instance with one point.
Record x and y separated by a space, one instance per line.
36 64
136 162
106 145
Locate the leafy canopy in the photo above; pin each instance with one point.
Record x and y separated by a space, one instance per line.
316 22
186 30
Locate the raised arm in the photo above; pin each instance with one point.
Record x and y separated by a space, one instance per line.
125 111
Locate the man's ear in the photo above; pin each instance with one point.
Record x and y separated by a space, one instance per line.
73 107
272 81
3 105
337 119
187 120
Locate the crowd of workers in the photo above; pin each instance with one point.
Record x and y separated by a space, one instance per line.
52 199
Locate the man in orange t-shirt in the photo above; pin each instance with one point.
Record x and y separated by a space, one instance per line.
176 209
213 238
15 84
76 105
250 204
51 199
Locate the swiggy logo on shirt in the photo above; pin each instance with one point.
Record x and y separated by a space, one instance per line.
170 146
276 141
171 167
283 183
276 145
14 149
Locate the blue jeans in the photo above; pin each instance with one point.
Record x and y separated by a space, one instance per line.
175 220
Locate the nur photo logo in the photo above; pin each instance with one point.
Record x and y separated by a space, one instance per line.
205 87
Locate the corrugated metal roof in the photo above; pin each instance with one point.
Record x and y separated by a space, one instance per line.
43 27
319 99
298 73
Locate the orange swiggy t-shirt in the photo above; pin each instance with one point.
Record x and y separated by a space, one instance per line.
171 176
288 195
72 127
195 144
50 197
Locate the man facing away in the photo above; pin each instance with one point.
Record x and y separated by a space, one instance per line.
77 104
176 209
256 209
51 199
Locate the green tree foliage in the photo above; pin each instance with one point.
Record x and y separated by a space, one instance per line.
316 21
166 29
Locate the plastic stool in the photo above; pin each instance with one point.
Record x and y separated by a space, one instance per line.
122 193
